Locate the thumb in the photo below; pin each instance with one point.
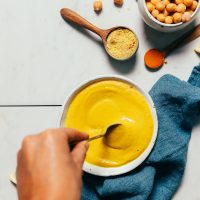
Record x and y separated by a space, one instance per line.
79 153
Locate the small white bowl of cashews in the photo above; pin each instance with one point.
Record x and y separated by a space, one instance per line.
168 15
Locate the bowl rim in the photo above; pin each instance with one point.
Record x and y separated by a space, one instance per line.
113 171
168 25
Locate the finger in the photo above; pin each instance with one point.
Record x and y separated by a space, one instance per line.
63 136
79 153
74 135
28 140
69 134
19 155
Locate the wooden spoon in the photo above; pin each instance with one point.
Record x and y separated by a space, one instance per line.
106 131
155 58
71 16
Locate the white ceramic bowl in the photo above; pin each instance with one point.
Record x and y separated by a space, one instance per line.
155 24
103 171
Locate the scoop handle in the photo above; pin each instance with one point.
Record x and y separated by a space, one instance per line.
72 16
184 39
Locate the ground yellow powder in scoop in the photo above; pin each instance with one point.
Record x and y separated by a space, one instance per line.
121 43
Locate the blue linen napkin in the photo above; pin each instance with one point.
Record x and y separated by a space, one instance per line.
178 104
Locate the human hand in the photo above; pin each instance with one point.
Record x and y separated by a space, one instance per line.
47 169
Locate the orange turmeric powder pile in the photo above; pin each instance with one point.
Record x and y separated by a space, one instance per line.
154 59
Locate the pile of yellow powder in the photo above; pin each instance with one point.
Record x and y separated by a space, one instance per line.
121 43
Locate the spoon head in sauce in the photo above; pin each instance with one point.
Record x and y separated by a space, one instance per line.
121 43
154 59
110 128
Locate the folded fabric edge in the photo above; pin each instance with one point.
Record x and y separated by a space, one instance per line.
194 78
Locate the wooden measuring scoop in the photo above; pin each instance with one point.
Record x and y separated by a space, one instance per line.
71 16
155 58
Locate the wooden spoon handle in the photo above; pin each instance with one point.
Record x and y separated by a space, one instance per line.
72 16
72 144
186 38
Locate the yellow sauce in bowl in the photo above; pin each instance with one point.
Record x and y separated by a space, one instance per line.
106 102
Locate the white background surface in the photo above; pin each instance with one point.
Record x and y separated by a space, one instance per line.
42 58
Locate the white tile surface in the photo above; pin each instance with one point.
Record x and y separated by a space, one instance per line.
43 58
